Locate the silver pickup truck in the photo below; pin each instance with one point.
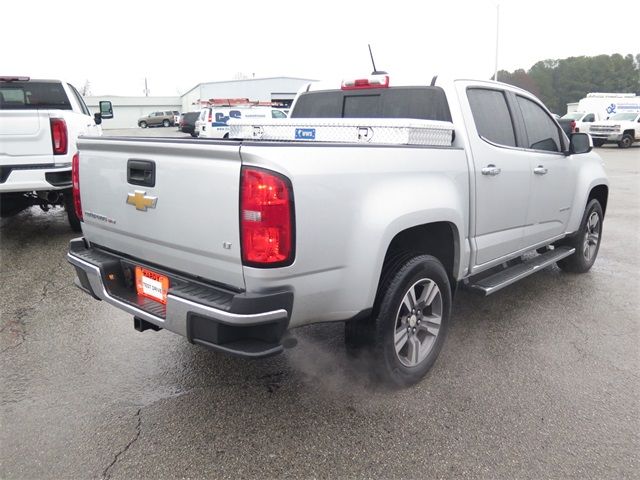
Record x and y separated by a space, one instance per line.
424 188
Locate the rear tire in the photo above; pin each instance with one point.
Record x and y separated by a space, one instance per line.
626 142
586 241
74 221
166 123
409 323
142 124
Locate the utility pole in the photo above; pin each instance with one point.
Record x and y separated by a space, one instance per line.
495 76
146 90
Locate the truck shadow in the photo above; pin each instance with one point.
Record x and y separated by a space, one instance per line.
33 224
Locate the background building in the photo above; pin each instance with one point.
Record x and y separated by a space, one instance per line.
280 90
127 110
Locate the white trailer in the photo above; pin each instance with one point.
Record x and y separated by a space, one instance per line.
604 105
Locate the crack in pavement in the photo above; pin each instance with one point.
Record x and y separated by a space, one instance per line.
11 347
17 325
106 473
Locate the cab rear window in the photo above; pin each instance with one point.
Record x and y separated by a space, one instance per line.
424 103
33 95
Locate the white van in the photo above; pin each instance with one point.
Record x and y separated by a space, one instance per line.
212 122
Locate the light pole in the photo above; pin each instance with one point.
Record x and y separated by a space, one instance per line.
495 75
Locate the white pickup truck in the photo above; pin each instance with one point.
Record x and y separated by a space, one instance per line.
377 202
621 128
40 121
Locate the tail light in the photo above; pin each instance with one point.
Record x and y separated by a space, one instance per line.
59 136
75 185
266 218
573 126
210 116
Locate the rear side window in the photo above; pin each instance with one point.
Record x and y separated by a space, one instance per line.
424 103
542 131
33 95
491 115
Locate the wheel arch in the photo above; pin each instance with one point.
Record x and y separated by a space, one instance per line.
440 239
591 182
600 193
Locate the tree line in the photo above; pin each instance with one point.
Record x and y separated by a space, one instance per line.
567 80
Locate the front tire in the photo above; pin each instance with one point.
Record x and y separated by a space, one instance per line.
409 322
72 217
142 124
586 241
626 142
598 142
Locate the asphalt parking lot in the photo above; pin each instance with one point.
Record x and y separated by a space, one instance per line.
540 380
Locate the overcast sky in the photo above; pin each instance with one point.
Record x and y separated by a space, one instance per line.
115 44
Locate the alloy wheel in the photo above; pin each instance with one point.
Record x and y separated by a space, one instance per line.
591 237
418 322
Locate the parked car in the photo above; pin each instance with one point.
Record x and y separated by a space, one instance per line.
188 123
373 217
40 121
157 119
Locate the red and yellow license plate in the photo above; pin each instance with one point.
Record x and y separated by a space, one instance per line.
152 285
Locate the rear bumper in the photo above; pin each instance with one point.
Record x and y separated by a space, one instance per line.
34 178
237 323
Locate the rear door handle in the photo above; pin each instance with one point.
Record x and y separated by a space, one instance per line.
540 170
491 170
141 172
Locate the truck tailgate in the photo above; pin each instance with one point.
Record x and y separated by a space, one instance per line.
25 137
186 219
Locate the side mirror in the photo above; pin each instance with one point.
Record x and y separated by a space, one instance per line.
106 109
97 118
580 143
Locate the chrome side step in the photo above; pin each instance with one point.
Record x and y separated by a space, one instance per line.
497 281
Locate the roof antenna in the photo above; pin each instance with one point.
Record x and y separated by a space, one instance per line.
375 70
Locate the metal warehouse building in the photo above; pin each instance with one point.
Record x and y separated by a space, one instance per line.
127 110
